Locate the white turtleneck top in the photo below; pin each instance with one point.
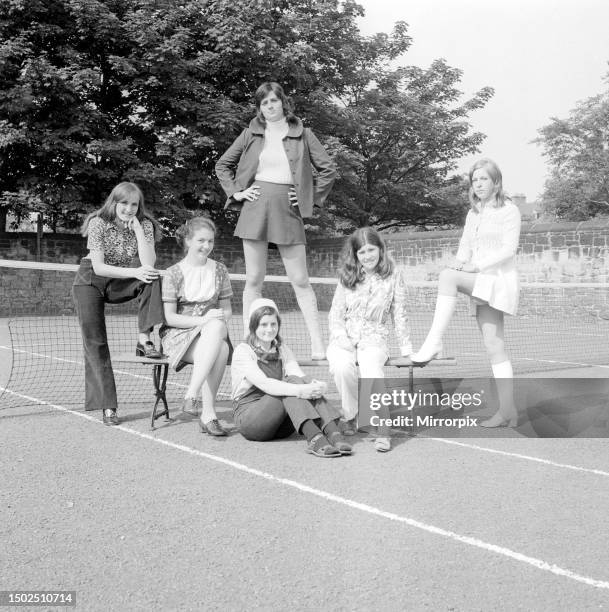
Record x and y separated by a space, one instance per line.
273 165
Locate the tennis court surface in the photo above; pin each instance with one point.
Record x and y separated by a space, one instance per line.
137 520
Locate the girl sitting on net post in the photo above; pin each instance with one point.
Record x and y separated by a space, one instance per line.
485 269
196 299
370 292
271 396
116 233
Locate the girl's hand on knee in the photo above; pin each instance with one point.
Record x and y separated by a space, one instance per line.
322 386
146 273
455 264
309 391
344 343
462 267
213 313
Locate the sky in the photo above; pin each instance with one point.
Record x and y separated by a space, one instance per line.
541 56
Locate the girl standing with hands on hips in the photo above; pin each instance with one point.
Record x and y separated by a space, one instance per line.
370 292
485 269
268 173
196 298
272 398
116 233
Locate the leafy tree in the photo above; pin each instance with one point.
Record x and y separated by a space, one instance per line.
399 141
577 149
97 91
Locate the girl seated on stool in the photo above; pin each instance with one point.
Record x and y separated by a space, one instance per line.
272 398
196 299
120 230
370 292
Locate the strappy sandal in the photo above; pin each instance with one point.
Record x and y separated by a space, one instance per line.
190 405
382 445
343 447
320 446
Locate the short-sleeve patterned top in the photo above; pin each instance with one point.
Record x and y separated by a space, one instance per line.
176 341
119 245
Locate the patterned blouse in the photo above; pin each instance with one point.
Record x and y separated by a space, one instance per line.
362 314
119 245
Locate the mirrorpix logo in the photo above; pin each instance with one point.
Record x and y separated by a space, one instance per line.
400 398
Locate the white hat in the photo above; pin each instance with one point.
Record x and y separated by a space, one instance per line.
259 303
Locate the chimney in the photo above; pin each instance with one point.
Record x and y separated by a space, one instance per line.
519 199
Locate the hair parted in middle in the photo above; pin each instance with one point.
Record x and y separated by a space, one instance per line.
272 87
187 230
493 171
254 322
351 271
108 210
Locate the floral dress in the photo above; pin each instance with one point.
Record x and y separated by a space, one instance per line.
176 289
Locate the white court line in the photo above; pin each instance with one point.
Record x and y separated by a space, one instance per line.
537 359
485 449
474 542
445 440
116 371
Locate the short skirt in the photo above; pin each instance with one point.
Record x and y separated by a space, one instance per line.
271 218
176 342
499 290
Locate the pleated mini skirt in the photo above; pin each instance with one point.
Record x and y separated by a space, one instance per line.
271 218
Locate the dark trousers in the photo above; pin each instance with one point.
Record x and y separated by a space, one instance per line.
90 293
262 417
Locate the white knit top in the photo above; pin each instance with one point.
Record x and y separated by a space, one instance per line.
273 164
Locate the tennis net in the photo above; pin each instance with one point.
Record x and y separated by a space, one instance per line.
558 326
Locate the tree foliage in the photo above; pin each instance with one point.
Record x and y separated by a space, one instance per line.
577 149
97 91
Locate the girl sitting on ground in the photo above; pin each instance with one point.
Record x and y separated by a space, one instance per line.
271 396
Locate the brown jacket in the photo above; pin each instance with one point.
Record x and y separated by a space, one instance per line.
237 168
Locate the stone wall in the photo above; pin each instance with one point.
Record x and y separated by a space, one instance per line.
549 252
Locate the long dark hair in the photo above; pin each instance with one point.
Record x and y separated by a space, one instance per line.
108 210
351 271
271 87
255 319
187 230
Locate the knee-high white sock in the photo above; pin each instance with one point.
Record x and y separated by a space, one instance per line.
504 374
249 295
307 301
503 369
445 307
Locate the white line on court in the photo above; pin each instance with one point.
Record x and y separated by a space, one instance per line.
495 451
474 542
72 361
